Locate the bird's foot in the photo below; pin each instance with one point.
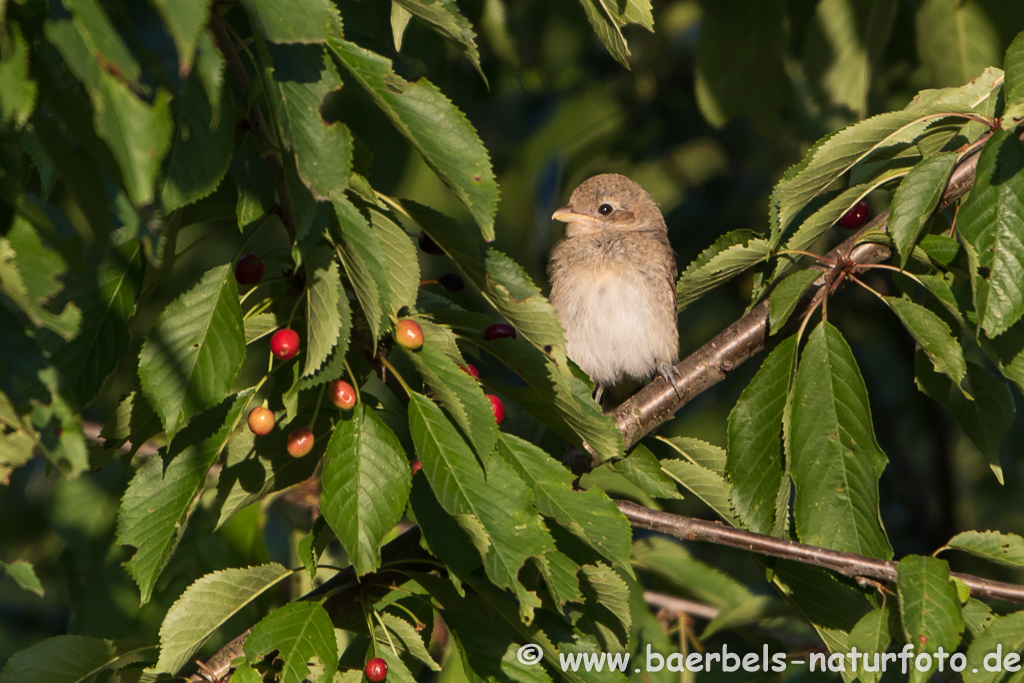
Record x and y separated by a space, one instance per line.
670 374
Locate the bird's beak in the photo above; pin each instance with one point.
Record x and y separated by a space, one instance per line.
567 215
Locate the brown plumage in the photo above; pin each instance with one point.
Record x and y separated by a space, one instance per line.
613 286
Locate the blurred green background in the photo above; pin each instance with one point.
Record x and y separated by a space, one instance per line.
720 99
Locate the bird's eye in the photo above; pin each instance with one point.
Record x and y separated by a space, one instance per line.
604 209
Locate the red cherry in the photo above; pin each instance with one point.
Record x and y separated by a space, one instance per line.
285 343
855 217
342 394
300 442
471 370
416 466
429 246
376 670
409 334
500 331
261 421
249 269
497 407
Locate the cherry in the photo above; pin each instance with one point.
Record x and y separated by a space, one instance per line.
500 331
429 246
342 394
300 442
471 370
249 269
452 282
497 407
261 420
376 670
409 334
855 217
285 343
416 466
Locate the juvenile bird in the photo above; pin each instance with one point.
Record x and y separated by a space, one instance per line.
613 286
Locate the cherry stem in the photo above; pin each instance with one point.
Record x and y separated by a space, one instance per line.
316 409
387 633
352 376
386 363
248 238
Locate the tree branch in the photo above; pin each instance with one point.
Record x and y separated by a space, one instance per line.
848 564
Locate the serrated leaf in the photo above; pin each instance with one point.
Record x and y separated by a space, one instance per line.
499 500
107 303
334 367
408 636
673 565
942 348
194 350
725 263
418 110
711 487
402 262
165 490
70 659
995 546
1005 633
201 150
255 184
23 573
206 605
259 326
298 632
992 221
559 574
929 608
304 76
17 90
751 611
590 515
787 295
445 18
602 586
1007 351
323 321
185 19
835 461
754 458
1013 88
366 485
295 21
134 420
643 470
362 255
916 199
987 419
871 634
739 62
458 392
955 40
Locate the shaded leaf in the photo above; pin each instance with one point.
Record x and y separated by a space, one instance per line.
323 319
362 255
916 199
929 608
445 18
955 40
642 469
70 659
730 255
934 336
1005 549
295 21
787 295
300 632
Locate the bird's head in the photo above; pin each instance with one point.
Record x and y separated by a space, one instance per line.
609 202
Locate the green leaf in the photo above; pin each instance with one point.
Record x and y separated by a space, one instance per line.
19 442
787 295
23 573
499 502
673 565
362 254
407 636
164 492
602 586
844 45
323 318
642 469
992 221
987 419
366 485
457 390
708 485
334 367
185 19
255 184
418 110
870 635
1007 351
304 76
445 18
70 659
201 150
17 90
995 546
934 336
752 611
560 574
955 40
729 256
835 459
133 420
1013 88
929 608
194 350
590 515
754 458
300 633
739 62
607 17
977 616
206 605
916 199
295 21
1005 633
402 261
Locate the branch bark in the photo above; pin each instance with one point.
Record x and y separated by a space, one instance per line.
848 564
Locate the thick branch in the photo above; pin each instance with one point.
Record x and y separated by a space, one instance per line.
658 402
849 564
